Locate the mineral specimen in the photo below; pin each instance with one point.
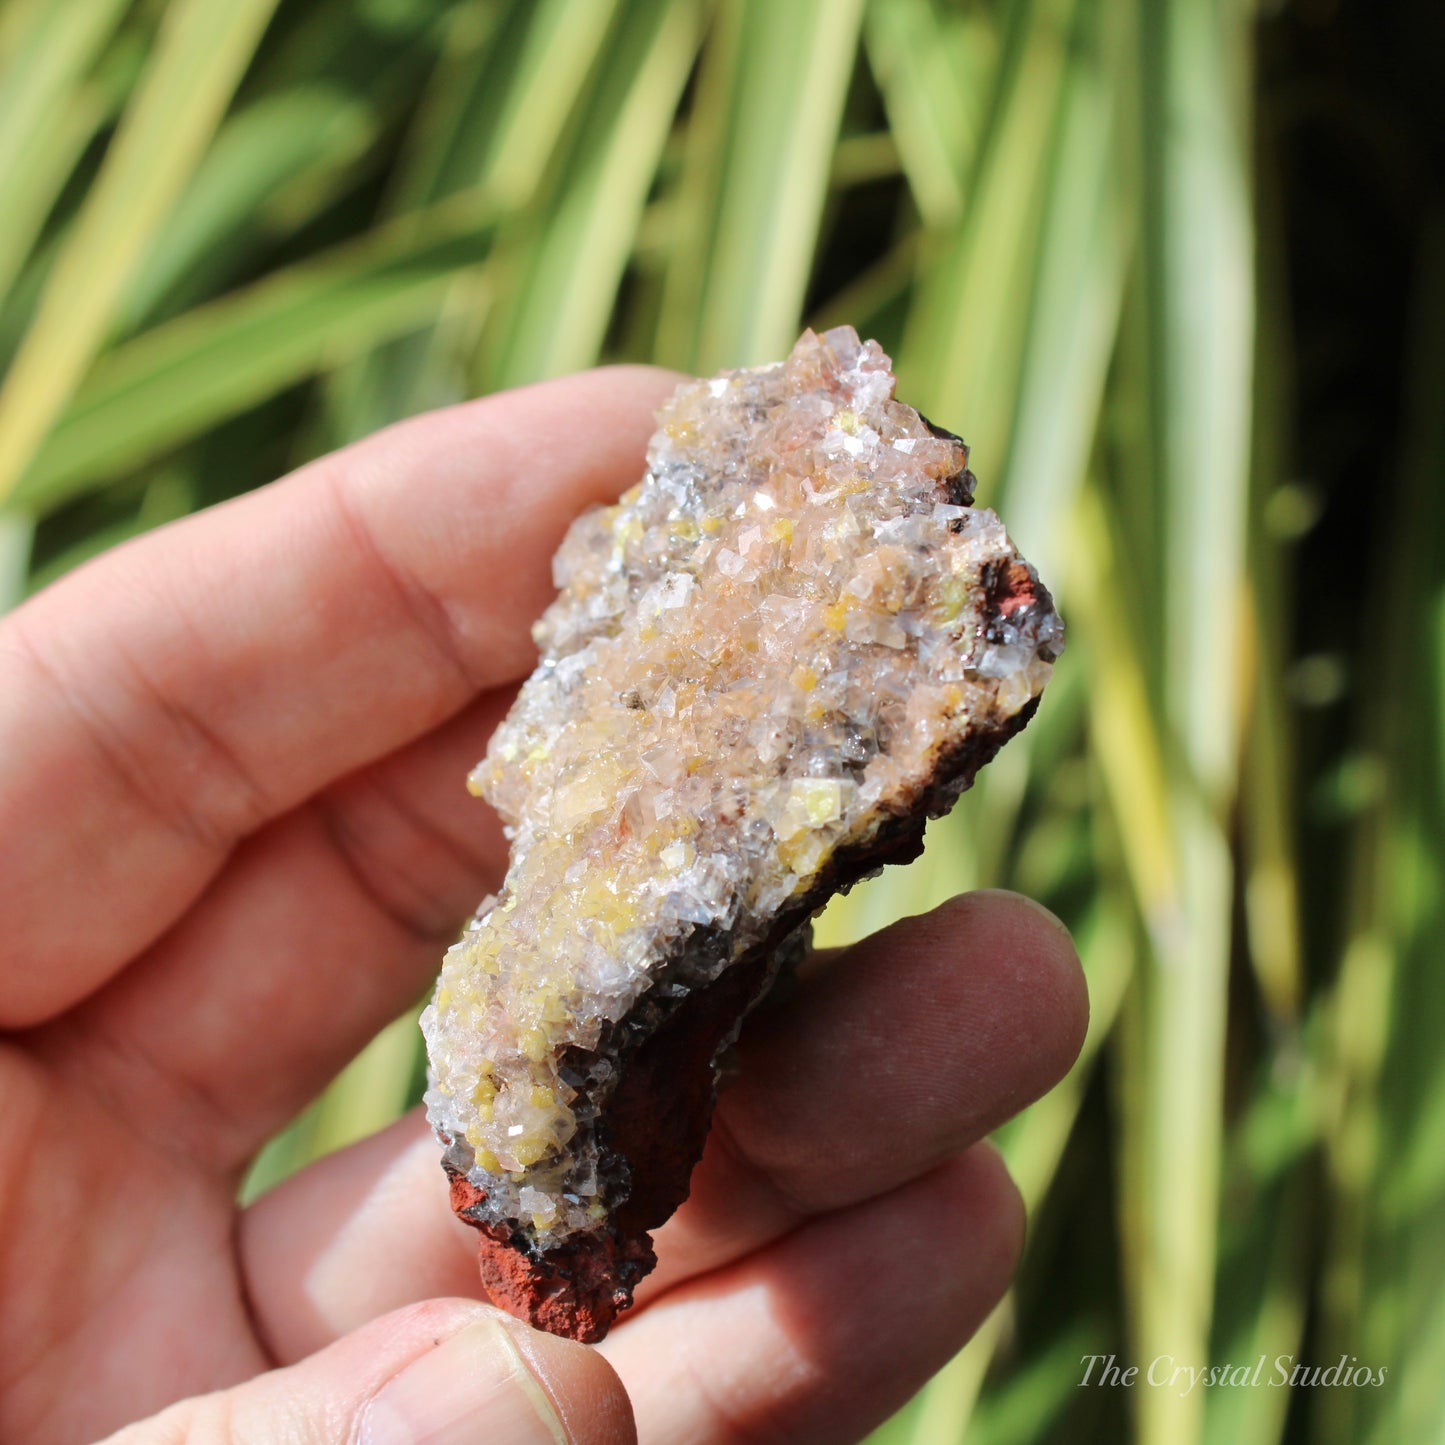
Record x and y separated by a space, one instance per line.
780 653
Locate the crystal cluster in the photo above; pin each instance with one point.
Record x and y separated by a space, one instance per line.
793 638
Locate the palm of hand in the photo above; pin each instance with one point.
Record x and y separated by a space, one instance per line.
235 844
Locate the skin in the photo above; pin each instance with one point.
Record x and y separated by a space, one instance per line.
234 841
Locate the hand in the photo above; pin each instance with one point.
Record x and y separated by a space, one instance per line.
235 842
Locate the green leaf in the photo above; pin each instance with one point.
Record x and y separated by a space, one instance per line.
167 496
257 154
961 352
495 111
16 534
374 1089
47 51
760 141
47 112
561 265
199 57
1269 845
501 99
933 65
169 384
1071 321
1197 320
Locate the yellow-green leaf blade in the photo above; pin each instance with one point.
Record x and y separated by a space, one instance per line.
199 57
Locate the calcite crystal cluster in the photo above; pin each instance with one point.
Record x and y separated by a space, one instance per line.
792 642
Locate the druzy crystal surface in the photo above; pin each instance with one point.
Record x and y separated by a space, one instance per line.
789 642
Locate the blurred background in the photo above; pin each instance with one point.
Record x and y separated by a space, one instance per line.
1175 268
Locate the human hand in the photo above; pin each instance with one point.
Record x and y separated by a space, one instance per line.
235 844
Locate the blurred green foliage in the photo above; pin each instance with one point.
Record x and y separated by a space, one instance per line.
1174 267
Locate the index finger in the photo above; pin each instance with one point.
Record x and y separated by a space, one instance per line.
169 698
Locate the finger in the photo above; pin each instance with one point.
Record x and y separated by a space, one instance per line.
918 1041
912 1046
321 929
363 1231
169 698
826 1333
442 1371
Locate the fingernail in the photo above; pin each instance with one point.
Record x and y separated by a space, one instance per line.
472 1387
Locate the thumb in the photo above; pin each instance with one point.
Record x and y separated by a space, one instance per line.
431 1374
